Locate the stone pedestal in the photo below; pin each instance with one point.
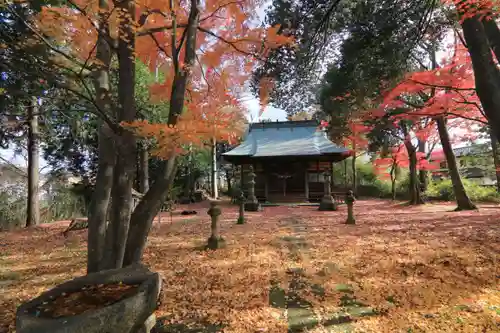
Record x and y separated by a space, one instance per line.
241 217
327 202
132 314
252 204
349 200
215 241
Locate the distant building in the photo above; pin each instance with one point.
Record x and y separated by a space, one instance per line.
475 163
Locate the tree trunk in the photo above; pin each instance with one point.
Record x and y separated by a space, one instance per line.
213 180
228 181
493 34
125 167
146 210
144 213
393 181
486 74
463 201
422 174
99 203
143 167
354 180
414 188
345 174
496 159
33 204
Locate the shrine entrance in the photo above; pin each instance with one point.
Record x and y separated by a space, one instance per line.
286 182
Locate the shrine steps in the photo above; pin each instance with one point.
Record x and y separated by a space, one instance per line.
287 199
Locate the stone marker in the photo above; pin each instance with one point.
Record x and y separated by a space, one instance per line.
327 202
252 204
215 241
241 217
349 200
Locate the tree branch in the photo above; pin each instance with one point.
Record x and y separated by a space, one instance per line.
230 43
441 86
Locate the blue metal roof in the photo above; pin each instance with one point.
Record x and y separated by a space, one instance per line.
291 138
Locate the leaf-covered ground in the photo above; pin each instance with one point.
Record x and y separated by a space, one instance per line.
290 269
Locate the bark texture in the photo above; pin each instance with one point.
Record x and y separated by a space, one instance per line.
143 168
463 201
486 73
98 210
33 204
496 159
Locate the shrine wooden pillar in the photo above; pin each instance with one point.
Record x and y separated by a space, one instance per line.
317 171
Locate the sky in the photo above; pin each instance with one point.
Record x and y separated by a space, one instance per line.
270 112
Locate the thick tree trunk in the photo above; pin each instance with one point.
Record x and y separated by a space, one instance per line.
99 204
493 34
496 159
486 74
125 167
143 168
33 204
146 210
149 206
463 201
213 180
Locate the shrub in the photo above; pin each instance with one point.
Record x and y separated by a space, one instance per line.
371 185
443 190
12 206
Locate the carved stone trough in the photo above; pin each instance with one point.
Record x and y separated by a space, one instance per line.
132 314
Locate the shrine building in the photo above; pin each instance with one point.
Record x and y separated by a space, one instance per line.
289 160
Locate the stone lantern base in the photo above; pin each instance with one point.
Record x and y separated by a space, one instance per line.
327 204
216 243
253 206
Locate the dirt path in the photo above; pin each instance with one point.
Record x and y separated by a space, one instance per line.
299 312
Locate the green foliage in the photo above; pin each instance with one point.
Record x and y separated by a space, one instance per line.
443 190
12 206
372 185
64 203
365 173
154 112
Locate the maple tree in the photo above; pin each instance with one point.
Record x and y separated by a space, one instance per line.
443 92
389 165
481 35
205 51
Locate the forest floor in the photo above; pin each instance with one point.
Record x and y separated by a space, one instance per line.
399 269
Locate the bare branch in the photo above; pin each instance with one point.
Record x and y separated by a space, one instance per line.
232 44
18 170
442 86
